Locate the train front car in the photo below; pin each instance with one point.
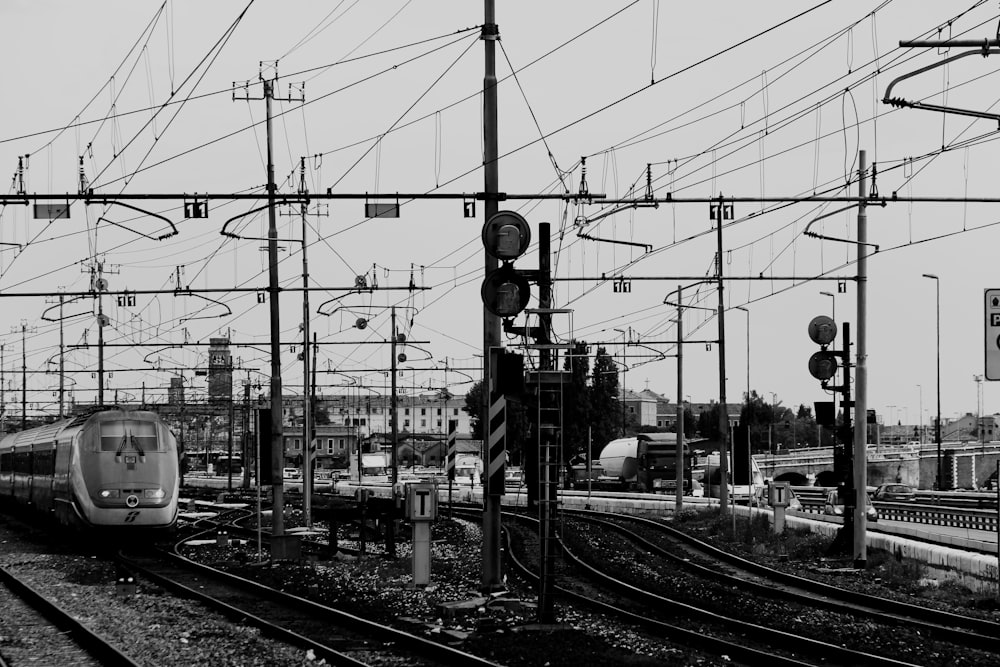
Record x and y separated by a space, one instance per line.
124 471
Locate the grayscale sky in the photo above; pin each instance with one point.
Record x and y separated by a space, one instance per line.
728 97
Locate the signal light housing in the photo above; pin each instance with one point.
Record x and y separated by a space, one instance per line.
505 292
506 235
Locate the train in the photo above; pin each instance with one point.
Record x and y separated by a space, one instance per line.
106 469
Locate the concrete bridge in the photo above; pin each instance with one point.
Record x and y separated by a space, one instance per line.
964 465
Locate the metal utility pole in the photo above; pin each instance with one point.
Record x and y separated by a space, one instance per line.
3 395
277 427
549 430
307 475
273 291
390 529
62 350
491 573
679 457
723 409
99 285
939 481
861 378
24 374
245 442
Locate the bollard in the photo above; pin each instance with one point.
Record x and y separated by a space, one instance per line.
332 539
125 586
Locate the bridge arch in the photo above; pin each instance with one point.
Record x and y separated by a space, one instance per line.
794 478
828 478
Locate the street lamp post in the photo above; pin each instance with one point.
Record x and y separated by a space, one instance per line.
624 368
749 447
937 424
920 416
979 411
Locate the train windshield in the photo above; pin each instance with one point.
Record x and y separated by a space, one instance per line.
129 436
661 459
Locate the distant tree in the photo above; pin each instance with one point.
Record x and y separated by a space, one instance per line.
605 403
708 422
576 403
690 422
320 416
758 415
474 407
794 428
517 423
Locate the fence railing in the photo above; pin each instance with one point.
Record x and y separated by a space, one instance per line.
967 511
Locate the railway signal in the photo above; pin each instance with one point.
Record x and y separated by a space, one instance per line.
505 291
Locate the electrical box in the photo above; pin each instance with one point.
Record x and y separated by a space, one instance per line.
421 501
780 492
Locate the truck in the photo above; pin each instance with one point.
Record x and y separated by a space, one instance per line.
376 467
711 476
648 462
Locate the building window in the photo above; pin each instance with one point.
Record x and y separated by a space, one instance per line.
406 423
340 444
364 422
454 412
406 411
439 423
439 412
296 444
423 423
423 411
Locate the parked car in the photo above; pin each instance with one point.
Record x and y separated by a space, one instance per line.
291 473
897 493
991 482
834 505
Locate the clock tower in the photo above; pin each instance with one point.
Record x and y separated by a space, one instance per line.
220 371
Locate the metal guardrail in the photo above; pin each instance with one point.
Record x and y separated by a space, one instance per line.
967 511
951 517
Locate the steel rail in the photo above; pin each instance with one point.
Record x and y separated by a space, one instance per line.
945 626
824 651
94 644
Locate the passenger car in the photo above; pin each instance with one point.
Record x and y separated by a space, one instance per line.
291 473
834 505
897 493
106 469
991 482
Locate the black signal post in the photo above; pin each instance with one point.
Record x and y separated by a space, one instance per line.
823 366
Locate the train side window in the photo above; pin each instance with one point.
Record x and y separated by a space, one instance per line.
6 462
44 462
22 462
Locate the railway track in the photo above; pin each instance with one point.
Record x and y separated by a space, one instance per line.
87 644
762 580
645 598
332 635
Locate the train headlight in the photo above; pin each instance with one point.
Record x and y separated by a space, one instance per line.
110 493
154 494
